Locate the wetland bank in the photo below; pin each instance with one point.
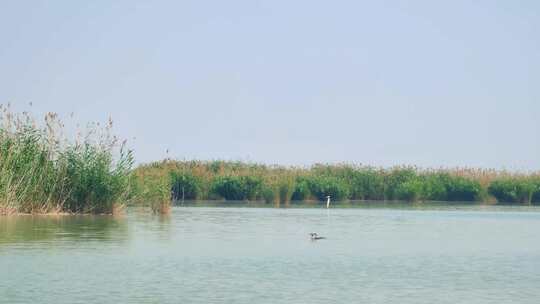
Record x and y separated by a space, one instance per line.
44 171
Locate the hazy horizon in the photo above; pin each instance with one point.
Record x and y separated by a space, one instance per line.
292 83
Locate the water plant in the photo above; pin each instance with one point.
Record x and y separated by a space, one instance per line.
152 187
233 180
237 187
42 171
323 186
278 186
410 190
301 190
185 185
515 190
395 178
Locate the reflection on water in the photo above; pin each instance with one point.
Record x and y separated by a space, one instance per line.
216 254
76 228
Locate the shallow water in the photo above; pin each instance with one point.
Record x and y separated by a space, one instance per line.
402 254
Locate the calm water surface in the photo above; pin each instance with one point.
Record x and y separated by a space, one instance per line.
263 255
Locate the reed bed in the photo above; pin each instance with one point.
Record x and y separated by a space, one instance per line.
42 171
152 187
281 185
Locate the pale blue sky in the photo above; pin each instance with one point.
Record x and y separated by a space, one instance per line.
431 83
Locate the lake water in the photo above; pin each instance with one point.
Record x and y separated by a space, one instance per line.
403 254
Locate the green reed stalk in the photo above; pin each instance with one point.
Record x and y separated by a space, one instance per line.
41 171
279 185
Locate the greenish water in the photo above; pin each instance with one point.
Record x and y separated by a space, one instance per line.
403 254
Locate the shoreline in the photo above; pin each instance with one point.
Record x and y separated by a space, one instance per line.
389 204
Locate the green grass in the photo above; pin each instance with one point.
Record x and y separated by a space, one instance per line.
185 186
152 187
41 171
284 185
523 190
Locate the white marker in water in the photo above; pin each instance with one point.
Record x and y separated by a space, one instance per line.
328 202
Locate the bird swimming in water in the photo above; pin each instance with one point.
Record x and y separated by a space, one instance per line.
315 236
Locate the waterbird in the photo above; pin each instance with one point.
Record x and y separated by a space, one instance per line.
315 236
327 201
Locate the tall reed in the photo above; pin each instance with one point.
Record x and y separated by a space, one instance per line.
152 186
281 185
42 171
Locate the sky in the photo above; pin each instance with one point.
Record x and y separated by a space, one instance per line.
382 83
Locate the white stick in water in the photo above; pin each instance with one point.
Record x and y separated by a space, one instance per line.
328 201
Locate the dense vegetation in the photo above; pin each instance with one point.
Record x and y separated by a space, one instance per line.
41 171
207 180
